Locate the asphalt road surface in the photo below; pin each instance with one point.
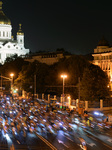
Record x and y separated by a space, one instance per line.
59 141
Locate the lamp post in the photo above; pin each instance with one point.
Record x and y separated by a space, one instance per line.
12 75
35 87
64 77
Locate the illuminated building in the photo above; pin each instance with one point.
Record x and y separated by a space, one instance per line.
9 46
103 57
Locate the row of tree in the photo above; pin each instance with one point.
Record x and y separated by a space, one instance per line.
93 81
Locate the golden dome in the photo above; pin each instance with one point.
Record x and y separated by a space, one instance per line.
3 17
20 32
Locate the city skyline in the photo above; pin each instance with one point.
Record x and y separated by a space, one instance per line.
75 26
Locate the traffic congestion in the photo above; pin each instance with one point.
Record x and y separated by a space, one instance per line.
23 116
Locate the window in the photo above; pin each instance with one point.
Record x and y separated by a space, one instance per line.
3 34
8 46
103 66
0 55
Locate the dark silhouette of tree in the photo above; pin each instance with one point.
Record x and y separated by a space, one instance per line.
94 84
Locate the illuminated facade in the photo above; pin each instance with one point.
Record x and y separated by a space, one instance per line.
9 46
103 57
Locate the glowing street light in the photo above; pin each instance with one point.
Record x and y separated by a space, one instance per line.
12 75
64 77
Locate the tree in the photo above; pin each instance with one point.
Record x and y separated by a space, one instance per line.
94 84
93 80
73 67
13 66
26 76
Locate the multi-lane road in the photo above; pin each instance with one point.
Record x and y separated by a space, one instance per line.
59 141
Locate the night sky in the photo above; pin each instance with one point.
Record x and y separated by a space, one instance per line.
75 25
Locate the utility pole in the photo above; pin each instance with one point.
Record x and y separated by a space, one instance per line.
35 86
1 82
64 77
79 89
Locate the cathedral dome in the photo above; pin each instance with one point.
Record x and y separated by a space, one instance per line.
103 42
3 17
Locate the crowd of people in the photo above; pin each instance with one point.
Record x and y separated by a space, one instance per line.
18 115
24 115
30 116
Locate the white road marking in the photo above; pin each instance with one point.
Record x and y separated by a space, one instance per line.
62 143
91 144
67 137
109 140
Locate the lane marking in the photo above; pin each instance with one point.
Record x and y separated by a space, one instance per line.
67 137
44 140
102 142
109 140
107 145
91 144
92 137
62 143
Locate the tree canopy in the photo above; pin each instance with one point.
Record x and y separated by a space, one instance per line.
48 77
94 84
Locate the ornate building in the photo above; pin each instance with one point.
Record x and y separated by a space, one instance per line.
103 57
9 46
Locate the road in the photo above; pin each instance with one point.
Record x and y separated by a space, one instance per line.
59 141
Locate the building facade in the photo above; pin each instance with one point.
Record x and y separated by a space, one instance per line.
103 57
48 58
9 46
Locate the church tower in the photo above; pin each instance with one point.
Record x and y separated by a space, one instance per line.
8 46
20 37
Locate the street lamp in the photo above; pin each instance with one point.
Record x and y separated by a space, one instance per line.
64 77
12 75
